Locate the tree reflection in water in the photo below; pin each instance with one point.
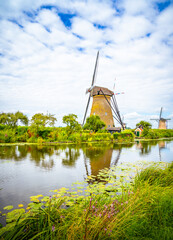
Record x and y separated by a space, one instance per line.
145 147
16 153
72 154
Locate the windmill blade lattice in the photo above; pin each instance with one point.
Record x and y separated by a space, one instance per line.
92 84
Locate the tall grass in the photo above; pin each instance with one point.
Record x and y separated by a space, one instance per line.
113 208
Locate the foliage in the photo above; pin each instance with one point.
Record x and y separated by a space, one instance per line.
157 133
113 208
8 136
124 136
144 124
94 123
43 120
61 134
72 123
12 119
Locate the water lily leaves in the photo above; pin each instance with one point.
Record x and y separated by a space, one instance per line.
9 207
35 206
45 199
20 205
15 214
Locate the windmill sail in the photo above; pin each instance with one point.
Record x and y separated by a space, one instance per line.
92 84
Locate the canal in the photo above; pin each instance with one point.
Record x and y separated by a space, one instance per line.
27 170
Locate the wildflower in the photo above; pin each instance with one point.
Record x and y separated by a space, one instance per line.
105 229
105 206
50 198
53 228
100 215
126 202
121 204
93 207
109 215
84 210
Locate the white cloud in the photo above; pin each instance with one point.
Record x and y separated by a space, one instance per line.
43 69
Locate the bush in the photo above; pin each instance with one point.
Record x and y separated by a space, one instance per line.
125 136
157 133
7 136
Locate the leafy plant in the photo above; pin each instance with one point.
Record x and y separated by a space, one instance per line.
94 123
72 123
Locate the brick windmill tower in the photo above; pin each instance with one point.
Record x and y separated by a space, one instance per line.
162 121
104 102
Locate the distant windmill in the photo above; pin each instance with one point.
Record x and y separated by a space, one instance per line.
162 121
104 102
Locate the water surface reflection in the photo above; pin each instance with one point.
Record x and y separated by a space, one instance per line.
27 170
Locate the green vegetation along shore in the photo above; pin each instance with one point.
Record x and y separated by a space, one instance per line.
26 134
42 130
115 206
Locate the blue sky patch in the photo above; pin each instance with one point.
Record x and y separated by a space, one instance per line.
49 7
99 26
148 34
163 5
108 57
16 22
78 36
31 14
108 42
66 18
80 49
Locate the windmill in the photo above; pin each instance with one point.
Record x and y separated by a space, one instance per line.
104 102
161 121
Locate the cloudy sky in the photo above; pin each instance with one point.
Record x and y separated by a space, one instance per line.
48 50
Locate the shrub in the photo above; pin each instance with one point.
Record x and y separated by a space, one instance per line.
8 136
126 135
158 133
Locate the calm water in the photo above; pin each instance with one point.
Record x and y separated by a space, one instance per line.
27 170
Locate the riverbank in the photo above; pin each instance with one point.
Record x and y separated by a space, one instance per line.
60 135
113 207
52 135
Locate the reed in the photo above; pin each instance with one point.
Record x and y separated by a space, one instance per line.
114 208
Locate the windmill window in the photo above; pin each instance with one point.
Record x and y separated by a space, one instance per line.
106 114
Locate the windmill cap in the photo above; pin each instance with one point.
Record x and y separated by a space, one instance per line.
101 91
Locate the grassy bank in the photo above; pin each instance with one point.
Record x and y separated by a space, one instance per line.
113 207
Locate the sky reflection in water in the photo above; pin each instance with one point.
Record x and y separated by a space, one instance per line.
27 170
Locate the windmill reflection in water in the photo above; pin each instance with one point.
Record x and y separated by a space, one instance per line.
99 158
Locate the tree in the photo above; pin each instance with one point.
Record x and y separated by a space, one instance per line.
12 119
42 120
146 127
94 123
144 124
71 122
